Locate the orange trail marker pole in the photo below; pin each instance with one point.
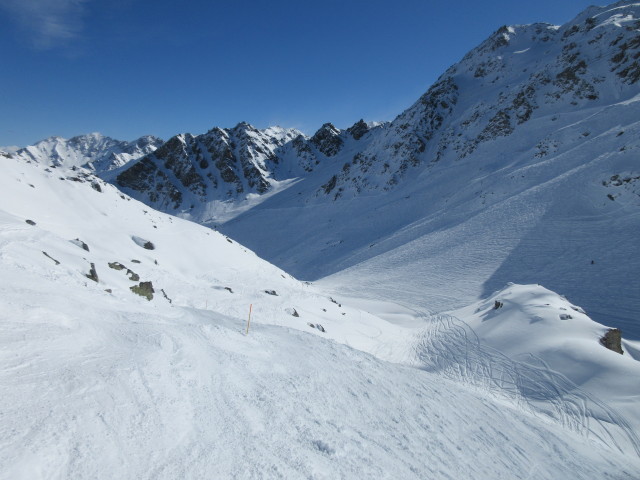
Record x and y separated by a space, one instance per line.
249 320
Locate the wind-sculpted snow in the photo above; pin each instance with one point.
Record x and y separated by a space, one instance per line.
449 347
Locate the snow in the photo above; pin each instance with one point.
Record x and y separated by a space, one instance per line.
536 205
101 383
430 363
93 151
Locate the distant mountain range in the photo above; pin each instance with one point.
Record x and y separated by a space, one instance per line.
93 151
520 163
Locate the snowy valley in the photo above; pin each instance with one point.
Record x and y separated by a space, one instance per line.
434 297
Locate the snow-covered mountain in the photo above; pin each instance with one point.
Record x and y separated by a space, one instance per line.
93 151
212 177
519 164
124 353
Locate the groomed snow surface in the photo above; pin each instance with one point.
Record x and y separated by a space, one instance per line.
99 382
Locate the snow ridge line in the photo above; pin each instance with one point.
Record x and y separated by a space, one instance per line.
449 347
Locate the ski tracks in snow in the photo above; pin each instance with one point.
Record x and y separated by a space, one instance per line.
449 347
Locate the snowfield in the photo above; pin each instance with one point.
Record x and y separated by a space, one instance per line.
99 382
468 260
520 164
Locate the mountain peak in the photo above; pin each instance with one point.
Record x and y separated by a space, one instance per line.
358 129
327 140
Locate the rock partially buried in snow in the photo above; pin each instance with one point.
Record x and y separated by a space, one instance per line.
613 340
144 289
146 244
92 275
80 244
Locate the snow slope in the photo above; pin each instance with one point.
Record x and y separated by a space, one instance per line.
99 382
520 164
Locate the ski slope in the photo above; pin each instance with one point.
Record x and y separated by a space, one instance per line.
98 382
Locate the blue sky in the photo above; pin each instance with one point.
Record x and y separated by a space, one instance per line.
127 68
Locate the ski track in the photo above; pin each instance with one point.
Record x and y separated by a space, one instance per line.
451 348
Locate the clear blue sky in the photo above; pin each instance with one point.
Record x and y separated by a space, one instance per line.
127 68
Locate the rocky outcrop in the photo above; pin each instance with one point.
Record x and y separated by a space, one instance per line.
612 340
222 164
327 140
144 289
358 129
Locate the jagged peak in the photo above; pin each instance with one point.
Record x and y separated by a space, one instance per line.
327 128
244 127
147 139
358 129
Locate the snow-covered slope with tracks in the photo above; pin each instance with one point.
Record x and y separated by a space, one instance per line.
520 164
99 381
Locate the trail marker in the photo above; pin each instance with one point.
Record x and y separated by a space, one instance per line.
249 320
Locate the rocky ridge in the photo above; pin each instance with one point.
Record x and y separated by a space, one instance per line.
229 165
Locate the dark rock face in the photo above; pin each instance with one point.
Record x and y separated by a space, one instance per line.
358 129
613 340
221 164
327 140
145 177
92 275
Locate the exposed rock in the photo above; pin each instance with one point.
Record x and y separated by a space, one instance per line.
92 275
327 140
80 244
144 289
330 185
165 295
146 244
134 277
358 129
612 340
